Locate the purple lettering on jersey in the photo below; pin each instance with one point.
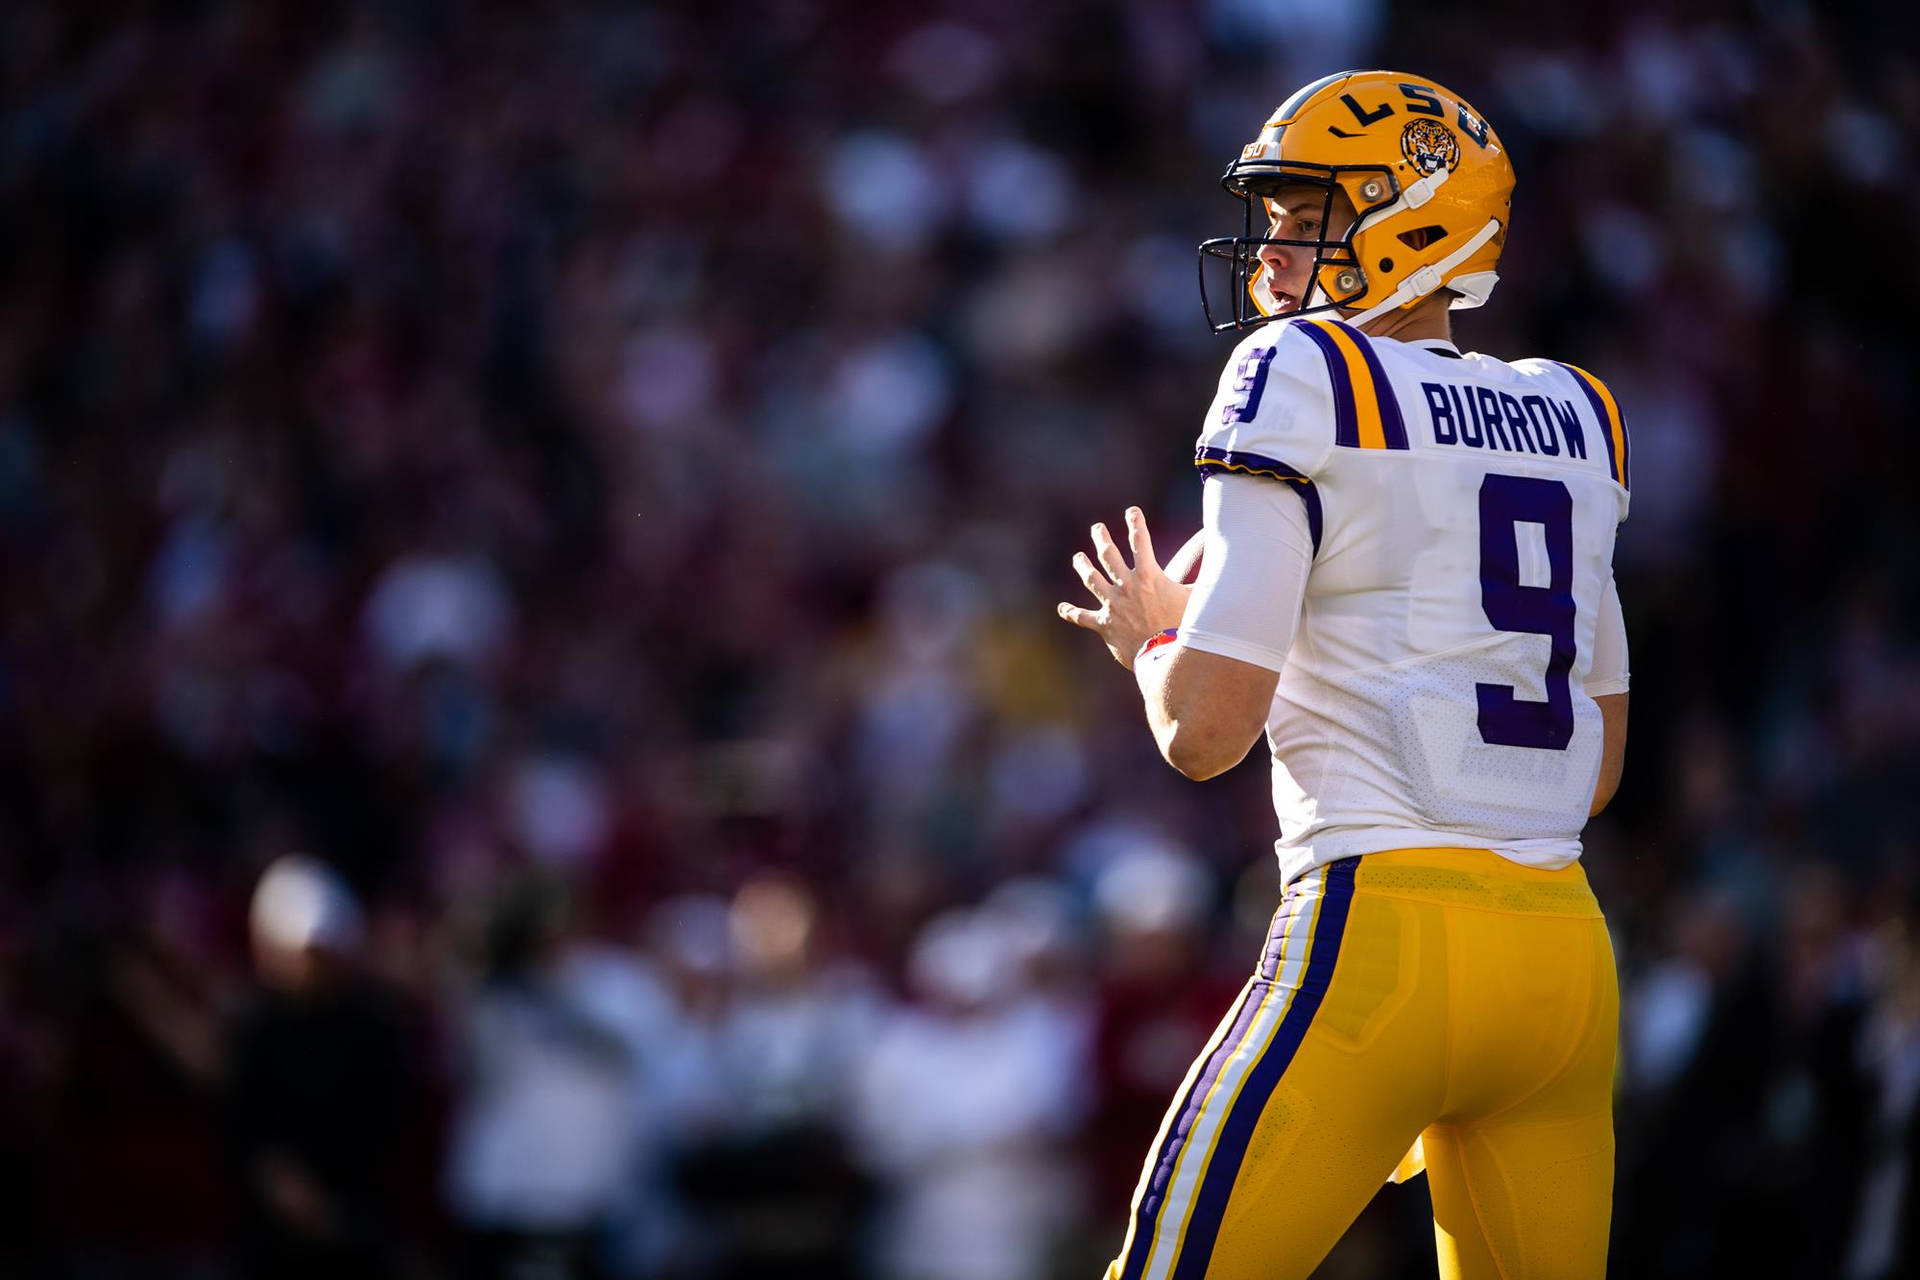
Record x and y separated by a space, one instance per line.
1491 415
1440 411
1480 418
1542 425
1468 411
1569 420
1517 422
1601 417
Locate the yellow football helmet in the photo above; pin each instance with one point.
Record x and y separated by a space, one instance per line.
1426 175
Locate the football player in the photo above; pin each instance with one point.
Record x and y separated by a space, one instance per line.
1406 582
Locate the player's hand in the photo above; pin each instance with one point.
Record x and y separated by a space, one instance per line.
1135 602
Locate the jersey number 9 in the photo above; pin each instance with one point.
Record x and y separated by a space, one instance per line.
1507 502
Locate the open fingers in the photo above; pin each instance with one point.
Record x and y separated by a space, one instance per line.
1110 558
1140 541
1102 589
1079 617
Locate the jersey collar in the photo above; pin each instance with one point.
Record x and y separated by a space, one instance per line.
1438 346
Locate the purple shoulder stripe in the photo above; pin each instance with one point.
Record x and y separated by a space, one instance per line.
1210 461
1392 426
1346 417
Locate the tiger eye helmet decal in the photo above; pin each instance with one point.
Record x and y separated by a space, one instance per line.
1429 146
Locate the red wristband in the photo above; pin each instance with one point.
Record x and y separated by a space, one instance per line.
1156 640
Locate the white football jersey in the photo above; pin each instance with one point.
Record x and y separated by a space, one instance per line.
1463 512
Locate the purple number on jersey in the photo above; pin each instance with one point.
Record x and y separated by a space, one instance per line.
1506 502
1249 383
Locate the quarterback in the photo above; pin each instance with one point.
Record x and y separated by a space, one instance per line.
1406 582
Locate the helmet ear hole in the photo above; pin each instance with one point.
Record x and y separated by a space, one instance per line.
1420 237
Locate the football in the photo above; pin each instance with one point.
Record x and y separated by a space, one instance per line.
1184 567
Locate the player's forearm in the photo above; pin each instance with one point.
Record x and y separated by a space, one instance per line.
1196 712
1163 720
1613 751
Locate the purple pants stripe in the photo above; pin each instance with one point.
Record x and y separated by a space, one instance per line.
1183 1122
1216 1183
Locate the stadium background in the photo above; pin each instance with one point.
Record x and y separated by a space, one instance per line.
599 482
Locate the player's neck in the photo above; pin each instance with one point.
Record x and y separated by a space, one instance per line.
1430 318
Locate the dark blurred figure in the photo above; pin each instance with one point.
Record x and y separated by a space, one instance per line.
27 1078
1697 1028
1746 1098
324 1096
131 1130
1814 1112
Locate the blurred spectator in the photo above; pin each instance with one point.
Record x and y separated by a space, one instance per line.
964 1102
1159 1001
617 986
771 1174
1696 1029
1885 1238
27 1078
135 1134
545 1125
323 1102
644 444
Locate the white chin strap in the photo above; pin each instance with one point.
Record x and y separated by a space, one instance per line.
1474 286
1430 277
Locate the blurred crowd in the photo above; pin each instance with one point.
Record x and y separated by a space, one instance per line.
534 740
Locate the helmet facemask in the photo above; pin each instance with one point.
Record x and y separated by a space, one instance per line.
1337 282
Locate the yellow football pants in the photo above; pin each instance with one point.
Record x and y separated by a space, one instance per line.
1444 1002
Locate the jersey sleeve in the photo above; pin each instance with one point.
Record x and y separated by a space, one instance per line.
1272 414
1609 673
1253 575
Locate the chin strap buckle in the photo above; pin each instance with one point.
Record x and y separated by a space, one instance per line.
1420 192
1424 281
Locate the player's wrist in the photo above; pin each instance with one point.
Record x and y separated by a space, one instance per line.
1158 640
1155 648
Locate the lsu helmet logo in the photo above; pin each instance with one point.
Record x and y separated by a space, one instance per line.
1429 146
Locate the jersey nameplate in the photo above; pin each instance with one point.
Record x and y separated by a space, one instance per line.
1474 417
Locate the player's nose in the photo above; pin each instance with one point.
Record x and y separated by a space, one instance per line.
1274 257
